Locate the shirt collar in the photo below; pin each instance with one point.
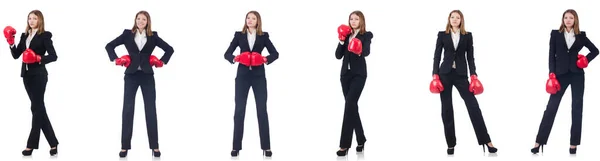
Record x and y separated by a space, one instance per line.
140 33
571 33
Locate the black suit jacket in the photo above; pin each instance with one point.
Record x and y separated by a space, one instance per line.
262 41
452 55
358 65
139 57
562 59
40 44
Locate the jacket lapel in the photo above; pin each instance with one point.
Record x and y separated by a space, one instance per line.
461 41
256 40
562 41
577 41
244 40
132 39
148 39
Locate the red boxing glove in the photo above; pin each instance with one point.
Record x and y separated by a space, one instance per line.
343 31
9 34
29 57
154 61
582 61
475 87
436 85
552 85
257 59
355 46
124 60
243 58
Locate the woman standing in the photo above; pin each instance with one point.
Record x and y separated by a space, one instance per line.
140 42
251 73
566 68
455 42
34 44
354 46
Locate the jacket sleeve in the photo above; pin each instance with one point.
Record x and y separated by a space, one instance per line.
48 44
593 50
470 55
273 54
165 47
552 54
110 47
229 53
437 55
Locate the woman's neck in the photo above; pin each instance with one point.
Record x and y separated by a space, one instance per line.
455 29
252 30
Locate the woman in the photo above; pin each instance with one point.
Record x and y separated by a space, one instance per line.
140 42
34 44
354 46
566 68
455 42
251 73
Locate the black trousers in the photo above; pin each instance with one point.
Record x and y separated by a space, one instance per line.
352 86
259 87
577 82
462 85
132 82
35 85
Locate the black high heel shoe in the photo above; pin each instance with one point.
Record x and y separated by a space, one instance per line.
360 148
235 153
536 150
573 150
54 151
156 153
490 149
27 152
342 152
122 153
267 153
450 150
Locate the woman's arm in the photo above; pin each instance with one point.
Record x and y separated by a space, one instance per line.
229 53
437 55
110 47
47 40
17 50
165 47
552 54
593 50
470 56
273 54
366 44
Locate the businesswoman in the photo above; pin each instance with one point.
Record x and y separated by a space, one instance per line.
354 46
33 45
140 42
251 73
566 68
456 42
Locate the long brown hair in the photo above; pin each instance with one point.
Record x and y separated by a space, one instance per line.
258 23
148 23
40 24
463 31
362 23
563 27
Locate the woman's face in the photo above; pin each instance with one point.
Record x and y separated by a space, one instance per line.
455 19
569 20
251 20
354 21
141 21
32 20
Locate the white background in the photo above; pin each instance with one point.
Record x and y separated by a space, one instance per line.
195 91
